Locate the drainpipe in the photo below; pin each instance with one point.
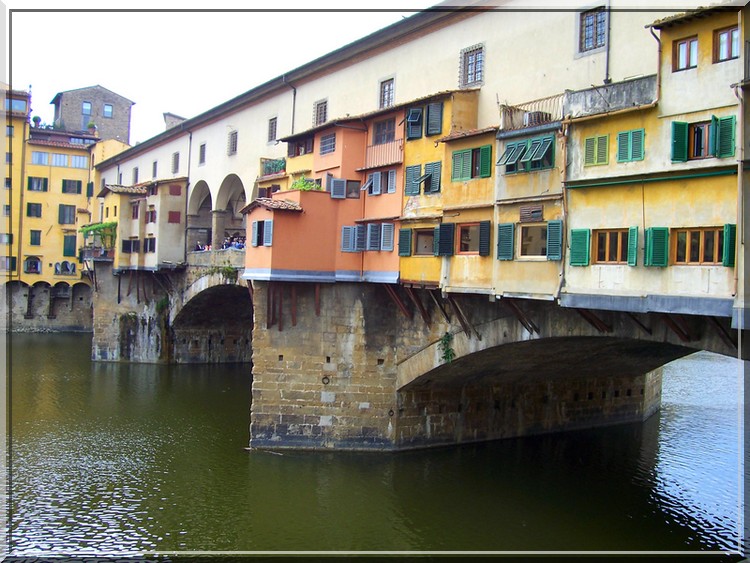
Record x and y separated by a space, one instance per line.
607 79
658 65
294 99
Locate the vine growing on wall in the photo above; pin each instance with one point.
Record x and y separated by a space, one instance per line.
446 348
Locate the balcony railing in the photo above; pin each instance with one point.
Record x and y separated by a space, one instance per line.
384 154
270 166
530 114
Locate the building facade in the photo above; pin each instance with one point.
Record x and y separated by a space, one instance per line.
94 107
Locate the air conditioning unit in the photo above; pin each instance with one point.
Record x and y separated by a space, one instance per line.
531 118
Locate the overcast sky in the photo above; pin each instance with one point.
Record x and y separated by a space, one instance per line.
193 58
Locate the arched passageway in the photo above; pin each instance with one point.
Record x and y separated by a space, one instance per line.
215 326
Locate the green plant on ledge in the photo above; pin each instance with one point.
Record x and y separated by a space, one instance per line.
305 185
229 273
447 351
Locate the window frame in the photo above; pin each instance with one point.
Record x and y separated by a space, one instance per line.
519 250
66 214
691 53
387 93
35 237
327 144
33 209
598 29
273 125
528 155
232 140
592 146
477 160
471 66
622 245
108 111
175 162
733 32
320 112
689 232
384 131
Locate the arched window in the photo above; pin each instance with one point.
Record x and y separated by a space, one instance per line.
32 265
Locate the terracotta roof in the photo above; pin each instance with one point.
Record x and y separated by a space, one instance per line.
138 189
60 144
272 204
468 133
700 12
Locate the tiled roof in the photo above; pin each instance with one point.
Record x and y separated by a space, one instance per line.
272 204
60 144
138 189
699 12
467 133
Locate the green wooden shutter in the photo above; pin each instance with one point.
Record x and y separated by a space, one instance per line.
589 151
554 240
461 169
623 146
484 238
414 123
45 183
724 139
730 241
679 141
445 242
61 213
579 247
632 246
657 247
505 233
434 118
404 242
636 144
79 186
485 161
90 189
602 149
410 185
434 169
69 245
436 241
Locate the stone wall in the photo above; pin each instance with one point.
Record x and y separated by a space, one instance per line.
41 308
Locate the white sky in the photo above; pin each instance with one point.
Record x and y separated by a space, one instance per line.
187 62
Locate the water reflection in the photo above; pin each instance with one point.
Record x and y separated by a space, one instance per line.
126 459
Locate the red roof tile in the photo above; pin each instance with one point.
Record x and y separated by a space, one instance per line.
272 204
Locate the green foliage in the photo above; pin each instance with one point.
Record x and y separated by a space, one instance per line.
305 185
448 353
106 231
162 305
228 272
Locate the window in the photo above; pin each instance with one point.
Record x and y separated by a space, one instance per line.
353 238
6 238
39 157
472 163
596 150
384 131
328 143
8 158
272 125
611 246
135 245
320 112
32 265
107 112
533 240
35 238
86 108
6 210
127 246
152 190
67 214
175 189
135 209
386 93
8 263
726 44
424 242
703 139
69 245
261 233
37 184
65 268
474 238
33 210
149 245
372 242
471 66
77 161
380 182
8 130
135 175
592 30
71 186
630 145
527 155
59 159
536 240
173 217
434 120
430 178
154 169
704 245
414 123
151 216
232 143
175 162
8 183
15 105
684 54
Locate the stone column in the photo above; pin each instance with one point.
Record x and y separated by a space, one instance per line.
218 218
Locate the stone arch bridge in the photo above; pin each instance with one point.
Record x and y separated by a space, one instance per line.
383 367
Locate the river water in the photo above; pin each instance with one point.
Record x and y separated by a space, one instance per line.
142 459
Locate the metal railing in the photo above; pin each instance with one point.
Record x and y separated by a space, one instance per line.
384 154
529 114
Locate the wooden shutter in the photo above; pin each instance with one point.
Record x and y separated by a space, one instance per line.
373 237
505 234
445 239
484 238
391 181
457 165
90 189
602 149
434 168
724 139
436 241
338 188
485 161
434 118
579 247
267 232
69 245
632 246
636 144
360 237
375 189
79 186
404 242
386 237
657 246
589 151
554 239
623 146
347 239
679 141
254 234
531 213
414 123
730 241
61 214
410 185
126 245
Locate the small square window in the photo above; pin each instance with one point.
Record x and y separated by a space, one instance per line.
592 30
387 94
272 125
471 66
107 110
232 143
533 240
320 112
328 143
726 44
202 154
175 162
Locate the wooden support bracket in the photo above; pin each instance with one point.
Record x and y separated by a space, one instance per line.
522 318
438 300
591 318
418 303
467 327
640 324
317 299
294 304
680 331
280 295
723 334
396 299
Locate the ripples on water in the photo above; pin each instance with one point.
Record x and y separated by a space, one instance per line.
111 458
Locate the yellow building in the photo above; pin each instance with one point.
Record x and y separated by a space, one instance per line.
16 130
